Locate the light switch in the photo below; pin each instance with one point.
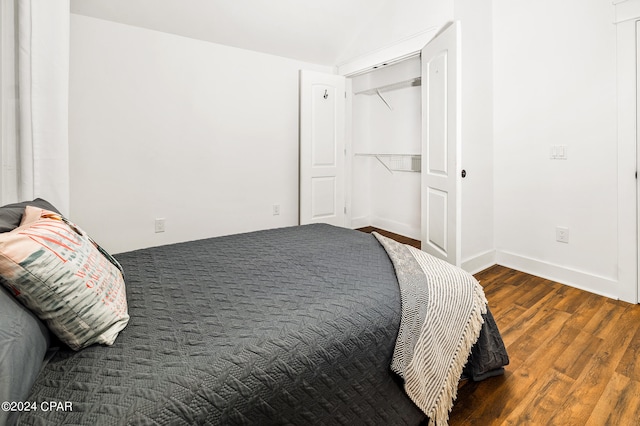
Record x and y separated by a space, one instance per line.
558 152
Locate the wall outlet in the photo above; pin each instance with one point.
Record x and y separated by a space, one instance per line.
276 209
562 234
159 225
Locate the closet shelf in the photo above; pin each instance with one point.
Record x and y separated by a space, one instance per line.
399 85
397 162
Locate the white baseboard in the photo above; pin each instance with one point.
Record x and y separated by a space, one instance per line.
561 274
396 227
360 222
479 262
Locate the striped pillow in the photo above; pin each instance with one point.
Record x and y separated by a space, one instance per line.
59 273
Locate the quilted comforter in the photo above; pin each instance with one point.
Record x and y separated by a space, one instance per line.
291 326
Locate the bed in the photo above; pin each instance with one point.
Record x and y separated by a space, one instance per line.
287 326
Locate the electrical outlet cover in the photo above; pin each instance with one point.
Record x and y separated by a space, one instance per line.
159 226
562 234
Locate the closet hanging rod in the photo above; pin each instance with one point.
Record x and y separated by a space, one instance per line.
372 154
394 86
397 162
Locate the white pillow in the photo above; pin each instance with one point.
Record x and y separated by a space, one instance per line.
60 274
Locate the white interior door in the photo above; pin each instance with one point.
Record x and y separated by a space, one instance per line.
322 148
441 145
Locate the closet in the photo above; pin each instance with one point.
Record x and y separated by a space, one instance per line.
381 147
386 148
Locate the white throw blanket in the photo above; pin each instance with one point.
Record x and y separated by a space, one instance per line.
442 308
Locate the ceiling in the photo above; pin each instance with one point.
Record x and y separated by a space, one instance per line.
313 31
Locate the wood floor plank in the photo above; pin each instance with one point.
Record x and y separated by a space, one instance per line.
619 404
474 395
508 296
546 325
536 292
576 356
590 385
585 312
522 290
494 278
604 320
540 403
569 299
523 324
509 314
629 365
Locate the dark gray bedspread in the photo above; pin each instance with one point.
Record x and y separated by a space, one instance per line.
488 356
288 326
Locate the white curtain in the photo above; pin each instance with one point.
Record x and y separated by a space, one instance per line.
9 105
35 92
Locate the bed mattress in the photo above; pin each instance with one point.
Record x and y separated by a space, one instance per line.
289 326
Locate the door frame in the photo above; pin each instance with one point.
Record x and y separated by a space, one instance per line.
397 52
627 40
637 143
406 49
348 153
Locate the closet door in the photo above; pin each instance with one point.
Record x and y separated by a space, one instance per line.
441 146
322 148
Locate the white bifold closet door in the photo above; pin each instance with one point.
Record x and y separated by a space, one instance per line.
441 154
322 148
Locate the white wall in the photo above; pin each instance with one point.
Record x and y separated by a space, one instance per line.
206 135
162 126
396 196
361 189
396 21
554 83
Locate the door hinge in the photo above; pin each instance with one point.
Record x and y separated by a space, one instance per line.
345 210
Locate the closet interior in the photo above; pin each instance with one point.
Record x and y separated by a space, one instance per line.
386 153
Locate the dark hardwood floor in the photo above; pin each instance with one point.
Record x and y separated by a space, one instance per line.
575 357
